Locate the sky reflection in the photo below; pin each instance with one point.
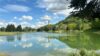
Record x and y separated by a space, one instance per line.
31 44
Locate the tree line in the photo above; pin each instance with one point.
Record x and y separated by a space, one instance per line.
12 28
72 23
86 16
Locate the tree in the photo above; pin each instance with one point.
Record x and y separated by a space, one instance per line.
10 28
86 10
47 28
19 28
78 4
96 24
28 29
2 29
72 26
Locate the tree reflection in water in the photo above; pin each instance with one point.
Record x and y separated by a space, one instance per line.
13 38
82 40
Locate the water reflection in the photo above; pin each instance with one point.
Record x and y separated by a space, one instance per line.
19 37
82 40
10 38
46 44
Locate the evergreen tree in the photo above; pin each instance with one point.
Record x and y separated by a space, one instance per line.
2 29
19 28
10 28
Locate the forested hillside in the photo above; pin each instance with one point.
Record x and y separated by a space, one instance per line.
85 16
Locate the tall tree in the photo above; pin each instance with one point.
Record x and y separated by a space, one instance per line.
2 29
78 4
86 9
19 28
10 28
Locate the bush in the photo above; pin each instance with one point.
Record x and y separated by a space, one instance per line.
84 52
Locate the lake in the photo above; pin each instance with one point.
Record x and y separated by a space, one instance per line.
47 44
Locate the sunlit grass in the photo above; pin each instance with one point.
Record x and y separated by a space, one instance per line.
3 54
8 33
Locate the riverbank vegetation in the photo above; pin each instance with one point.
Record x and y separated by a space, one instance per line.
12 28
84 17
73 24
84 52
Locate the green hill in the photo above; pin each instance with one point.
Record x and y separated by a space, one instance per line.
72 24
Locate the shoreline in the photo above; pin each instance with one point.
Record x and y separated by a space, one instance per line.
14 33
9 33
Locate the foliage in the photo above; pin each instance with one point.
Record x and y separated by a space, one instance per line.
78 4
84 52
70 23
27 29
2 29
96 24
86 9
72 26
19 28
10 28
46 28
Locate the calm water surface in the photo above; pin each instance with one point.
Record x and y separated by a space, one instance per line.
47 44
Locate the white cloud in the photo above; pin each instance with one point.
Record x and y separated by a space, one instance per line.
18 8
3 23
40 24
27 24
24 24
46 17
26 45
33 26
55 6
24 17
65 12
12 23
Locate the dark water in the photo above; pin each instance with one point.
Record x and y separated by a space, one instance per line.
47 44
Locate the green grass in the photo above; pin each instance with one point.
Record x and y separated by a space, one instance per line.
3 54
84 52
8 33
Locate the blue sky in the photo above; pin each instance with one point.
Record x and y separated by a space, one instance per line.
33 13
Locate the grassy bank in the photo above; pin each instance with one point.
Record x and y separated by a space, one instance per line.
84 52
8 33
